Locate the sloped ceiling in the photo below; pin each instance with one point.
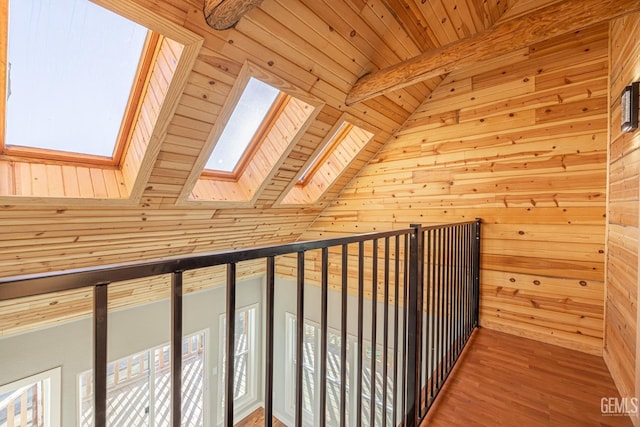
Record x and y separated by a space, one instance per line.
320 46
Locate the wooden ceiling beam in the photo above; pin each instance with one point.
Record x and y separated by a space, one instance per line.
225 14
541 24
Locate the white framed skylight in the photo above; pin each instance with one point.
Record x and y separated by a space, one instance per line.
71 69
250 113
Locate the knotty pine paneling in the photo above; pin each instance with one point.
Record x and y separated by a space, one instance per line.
520 142
621 351
319 47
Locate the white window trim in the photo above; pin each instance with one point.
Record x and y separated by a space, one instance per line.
250 396
352 359
151 350
51 382
290 400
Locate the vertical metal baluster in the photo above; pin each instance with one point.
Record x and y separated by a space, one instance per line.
360 332
268 383
100 315
419 321
413 325
176 348
445 310
374 324
470 273
476 285
343 340
323 335
405 292
454 295
458 290
428 325
299 338
449 302
231 340
462 282
385 333
441 291
434 309
469 278
395 330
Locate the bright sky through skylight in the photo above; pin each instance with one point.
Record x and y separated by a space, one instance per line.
72 66
250 111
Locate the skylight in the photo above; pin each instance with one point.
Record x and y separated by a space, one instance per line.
249 114
72 65
317 161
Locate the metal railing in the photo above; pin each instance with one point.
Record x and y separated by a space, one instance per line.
435 270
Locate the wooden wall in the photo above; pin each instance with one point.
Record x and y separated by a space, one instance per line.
621 334
520 142
319 47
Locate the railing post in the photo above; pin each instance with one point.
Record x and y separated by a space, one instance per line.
413 325
268 382
476 274
176 349
100 300
230 343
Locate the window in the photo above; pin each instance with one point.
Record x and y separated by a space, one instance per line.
139 387
74 69
366 385
102 172
342 146
311 376
254 111
34 400
256 130
244 362
336 138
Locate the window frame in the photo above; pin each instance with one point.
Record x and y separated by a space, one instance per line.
336 139
52 383
251 394
352 361
150 354
139 86
329 162
263 130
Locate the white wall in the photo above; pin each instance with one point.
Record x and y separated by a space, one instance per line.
132 330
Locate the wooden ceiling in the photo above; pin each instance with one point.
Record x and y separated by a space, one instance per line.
319 47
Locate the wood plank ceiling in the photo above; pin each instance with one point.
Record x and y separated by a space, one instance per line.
322 47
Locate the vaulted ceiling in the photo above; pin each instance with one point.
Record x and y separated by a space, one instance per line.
316 48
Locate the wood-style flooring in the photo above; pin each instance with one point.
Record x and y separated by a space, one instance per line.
505 380
257 419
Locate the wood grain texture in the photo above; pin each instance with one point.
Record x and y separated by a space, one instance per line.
488 143
546 386
507 36
621 346
224 14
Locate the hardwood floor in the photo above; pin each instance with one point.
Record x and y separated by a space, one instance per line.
257 419
505 380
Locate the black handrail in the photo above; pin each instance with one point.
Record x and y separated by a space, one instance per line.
44 283
437 268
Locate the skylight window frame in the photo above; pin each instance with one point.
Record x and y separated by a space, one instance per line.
341 133
314 182
139 86
278 106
